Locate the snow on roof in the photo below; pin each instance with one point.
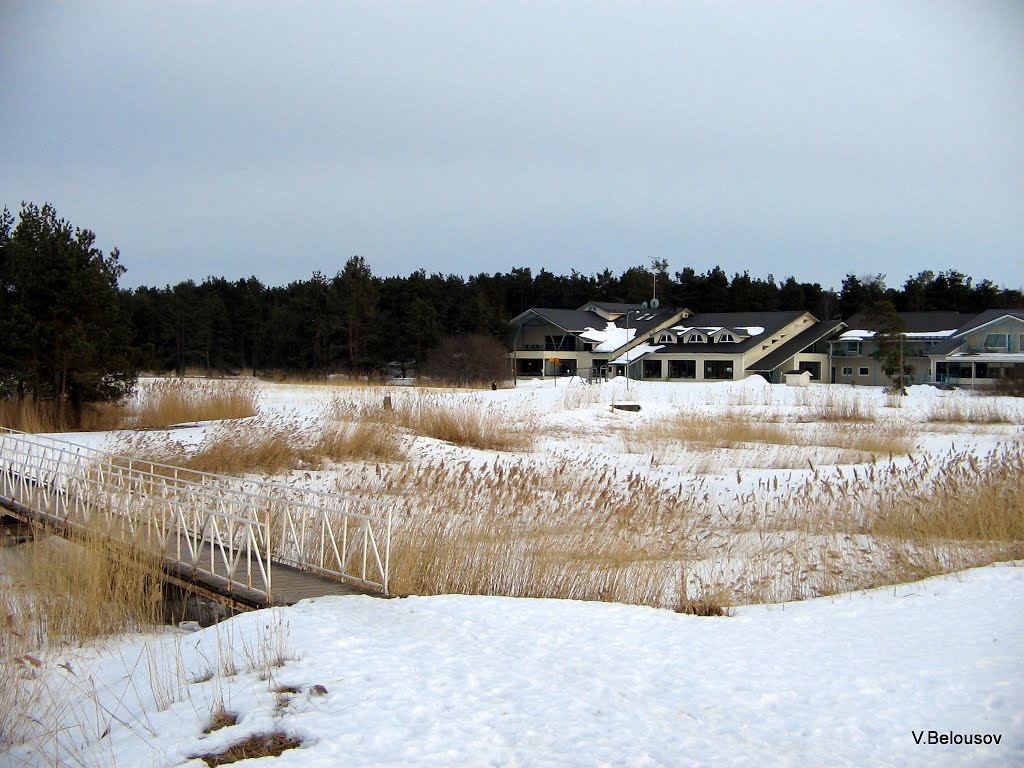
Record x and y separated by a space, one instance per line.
749 330
930 334
860 335
610 339
636 353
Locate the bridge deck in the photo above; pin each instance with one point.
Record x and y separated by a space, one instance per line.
289 585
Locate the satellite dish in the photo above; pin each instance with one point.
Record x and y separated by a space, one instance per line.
654 303
644 305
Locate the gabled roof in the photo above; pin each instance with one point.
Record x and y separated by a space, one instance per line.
639 320
572 320
914 322
610 306
765 323
801 341
988 317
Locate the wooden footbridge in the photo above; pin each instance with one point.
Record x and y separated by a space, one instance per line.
246 543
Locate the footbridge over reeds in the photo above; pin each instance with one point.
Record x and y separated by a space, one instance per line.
246 543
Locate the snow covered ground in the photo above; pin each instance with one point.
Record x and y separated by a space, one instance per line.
857 679
864 679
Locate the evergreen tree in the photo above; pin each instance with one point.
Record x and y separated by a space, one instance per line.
66 338
889 330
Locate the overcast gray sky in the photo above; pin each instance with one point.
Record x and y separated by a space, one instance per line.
274 139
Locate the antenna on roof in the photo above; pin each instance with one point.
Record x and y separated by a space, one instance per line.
654 303
645 305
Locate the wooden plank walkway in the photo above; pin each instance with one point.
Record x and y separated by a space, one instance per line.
289 585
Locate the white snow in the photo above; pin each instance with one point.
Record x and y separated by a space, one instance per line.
610 338
481 681
488 681
855 334
634 354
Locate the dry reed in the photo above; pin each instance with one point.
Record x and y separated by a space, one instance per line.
166 402
55 592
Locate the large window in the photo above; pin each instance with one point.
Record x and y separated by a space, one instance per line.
566 343
652 369
718 369
997 342
682 369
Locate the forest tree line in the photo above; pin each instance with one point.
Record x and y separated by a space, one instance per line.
358 322
73 335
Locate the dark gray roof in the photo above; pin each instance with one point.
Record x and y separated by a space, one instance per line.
572 320
914 322
577 321
986 317
785 351
611 306
772 322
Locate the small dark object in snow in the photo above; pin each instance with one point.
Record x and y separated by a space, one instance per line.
626 406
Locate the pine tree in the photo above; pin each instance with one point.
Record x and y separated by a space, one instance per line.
66 336
889 336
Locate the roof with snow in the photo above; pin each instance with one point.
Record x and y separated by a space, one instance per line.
988 317
607 335
752 327
920 324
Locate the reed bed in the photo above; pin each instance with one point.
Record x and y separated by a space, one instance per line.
56 592
266 446
969 410
26 414
842 405
692 434
166 402
463 422
584 530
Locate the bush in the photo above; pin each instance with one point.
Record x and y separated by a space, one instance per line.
471 359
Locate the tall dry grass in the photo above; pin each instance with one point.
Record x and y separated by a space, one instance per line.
267 446
26 414
691 433
166 402
160 403
969 410
586 530
837 404
469 423
56 592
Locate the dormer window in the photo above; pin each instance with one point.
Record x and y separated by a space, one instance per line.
697 338
727 337
666 338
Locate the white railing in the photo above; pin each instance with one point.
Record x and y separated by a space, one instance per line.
231 529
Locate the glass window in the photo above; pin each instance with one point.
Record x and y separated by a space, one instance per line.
718 369
847 370
696 338
863 370
682 369
652 369
998 341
